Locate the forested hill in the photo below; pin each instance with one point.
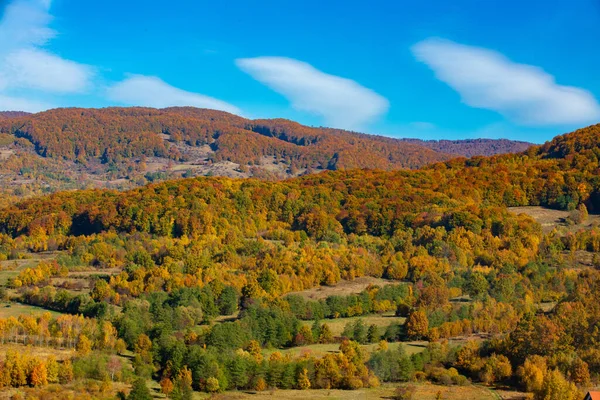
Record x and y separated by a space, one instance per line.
126 147
581 145
115 135
12 114
473 147
153 269
356 201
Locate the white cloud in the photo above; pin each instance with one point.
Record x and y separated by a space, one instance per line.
38 69
21 104
26 66
151 91
523 93
342 102
25 23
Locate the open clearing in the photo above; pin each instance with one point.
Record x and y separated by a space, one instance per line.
382 321
11 268
550 219
38 351
319 350
423 392
10 309
412 347
87 389
343 288
579 259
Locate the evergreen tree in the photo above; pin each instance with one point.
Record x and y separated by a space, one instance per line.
373 334
139 391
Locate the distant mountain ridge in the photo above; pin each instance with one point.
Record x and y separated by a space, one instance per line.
473 147
12 114
122 147
117 134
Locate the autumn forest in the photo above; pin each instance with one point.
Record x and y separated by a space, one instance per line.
344 262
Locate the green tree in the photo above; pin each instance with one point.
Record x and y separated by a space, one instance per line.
356 331
325 336
228 301
373 334
477 285
139 391
183 385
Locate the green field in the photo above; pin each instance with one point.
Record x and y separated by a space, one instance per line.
10 309
382 321
11 268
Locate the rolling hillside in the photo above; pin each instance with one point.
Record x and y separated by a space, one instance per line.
126 147
207 271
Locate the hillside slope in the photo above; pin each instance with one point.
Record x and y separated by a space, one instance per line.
220 256
541 176
115 134
12 114
127 147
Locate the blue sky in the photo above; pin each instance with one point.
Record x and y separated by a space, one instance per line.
428 69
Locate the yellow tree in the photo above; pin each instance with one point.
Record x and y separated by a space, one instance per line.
65 372
303 380
166 386
532 372
556 387
52 368
84 345
255 350
39 374
417 325
212 385
143 345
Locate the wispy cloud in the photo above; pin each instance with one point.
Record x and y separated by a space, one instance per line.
343 103
151 91
487 79
22 104
25 66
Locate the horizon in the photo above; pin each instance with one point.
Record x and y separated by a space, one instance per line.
432 72
310 126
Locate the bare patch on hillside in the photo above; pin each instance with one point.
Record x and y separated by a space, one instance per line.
6 153
343 288
559 219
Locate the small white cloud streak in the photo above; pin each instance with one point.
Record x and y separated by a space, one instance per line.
343 103
151 91
523 93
